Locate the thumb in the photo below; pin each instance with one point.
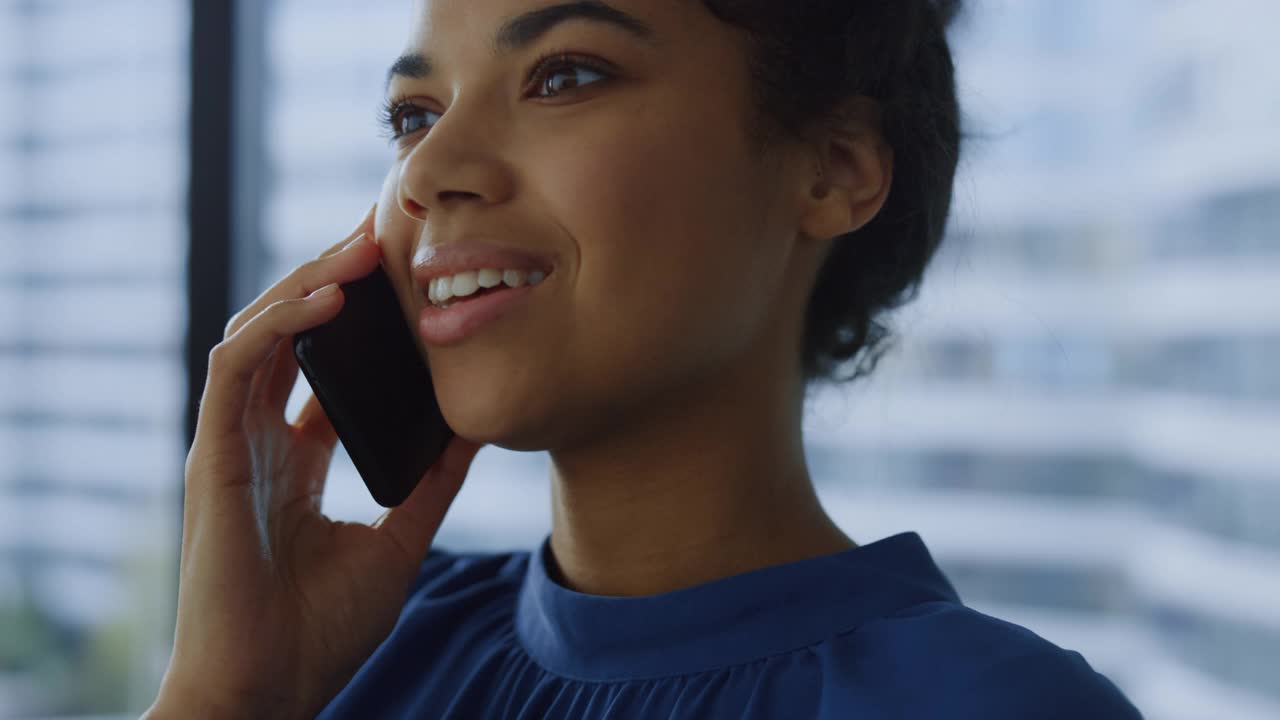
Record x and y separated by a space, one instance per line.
412 525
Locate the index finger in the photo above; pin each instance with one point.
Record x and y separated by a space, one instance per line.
273 293
365 227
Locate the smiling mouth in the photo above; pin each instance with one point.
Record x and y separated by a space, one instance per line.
515 282
456 300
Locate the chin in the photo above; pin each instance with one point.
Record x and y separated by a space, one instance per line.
481 418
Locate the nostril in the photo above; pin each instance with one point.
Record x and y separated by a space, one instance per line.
446 195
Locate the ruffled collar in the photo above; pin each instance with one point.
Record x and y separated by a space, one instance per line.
728 621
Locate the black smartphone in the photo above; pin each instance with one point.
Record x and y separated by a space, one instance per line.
369 378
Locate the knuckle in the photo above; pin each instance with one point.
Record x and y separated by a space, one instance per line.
330 251
232 325
307 269
295 286
190 464
294 289
282 306
218 354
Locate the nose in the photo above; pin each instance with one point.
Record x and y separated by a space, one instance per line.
415 209
456 161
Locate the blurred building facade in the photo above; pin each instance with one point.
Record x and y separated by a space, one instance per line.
92 305
1081 418
1084 416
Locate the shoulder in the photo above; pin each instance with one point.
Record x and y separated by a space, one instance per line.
457 612
944 659
445 573
453 589
460 602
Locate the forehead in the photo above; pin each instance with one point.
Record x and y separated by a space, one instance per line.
470 32
448 23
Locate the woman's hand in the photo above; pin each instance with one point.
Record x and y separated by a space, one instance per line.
278 606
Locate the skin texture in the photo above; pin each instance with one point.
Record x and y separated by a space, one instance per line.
660 366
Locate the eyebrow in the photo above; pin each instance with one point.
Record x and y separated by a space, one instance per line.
522 30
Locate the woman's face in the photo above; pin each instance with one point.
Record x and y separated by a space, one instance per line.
670 238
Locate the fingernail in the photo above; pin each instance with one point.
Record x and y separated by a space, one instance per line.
354 242
329 289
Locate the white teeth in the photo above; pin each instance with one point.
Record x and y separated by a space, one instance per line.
464 283
442 290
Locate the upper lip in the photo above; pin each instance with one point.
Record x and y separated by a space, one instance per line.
438 260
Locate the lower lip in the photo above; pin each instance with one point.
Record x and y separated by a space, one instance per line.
452 325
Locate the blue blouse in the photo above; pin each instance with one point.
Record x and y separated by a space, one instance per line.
872 632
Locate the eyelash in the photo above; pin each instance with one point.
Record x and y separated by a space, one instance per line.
389 113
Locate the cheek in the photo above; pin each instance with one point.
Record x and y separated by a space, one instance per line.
393 231
657 212
388 213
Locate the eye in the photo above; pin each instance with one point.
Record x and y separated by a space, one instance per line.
400 117
410 121
557 66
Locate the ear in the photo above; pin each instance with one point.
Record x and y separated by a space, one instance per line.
851 173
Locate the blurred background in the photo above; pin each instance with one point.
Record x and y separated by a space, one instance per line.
1081 418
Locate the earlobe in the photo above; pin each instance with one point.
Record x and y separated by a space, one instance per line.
826 211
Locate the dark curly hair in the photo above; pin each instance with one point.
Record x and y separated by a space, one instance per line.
807 58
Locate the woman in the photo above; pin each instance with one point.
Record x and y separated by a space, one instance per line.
704 188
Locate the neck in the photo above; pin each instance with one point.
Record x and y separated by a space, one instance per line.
707 486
